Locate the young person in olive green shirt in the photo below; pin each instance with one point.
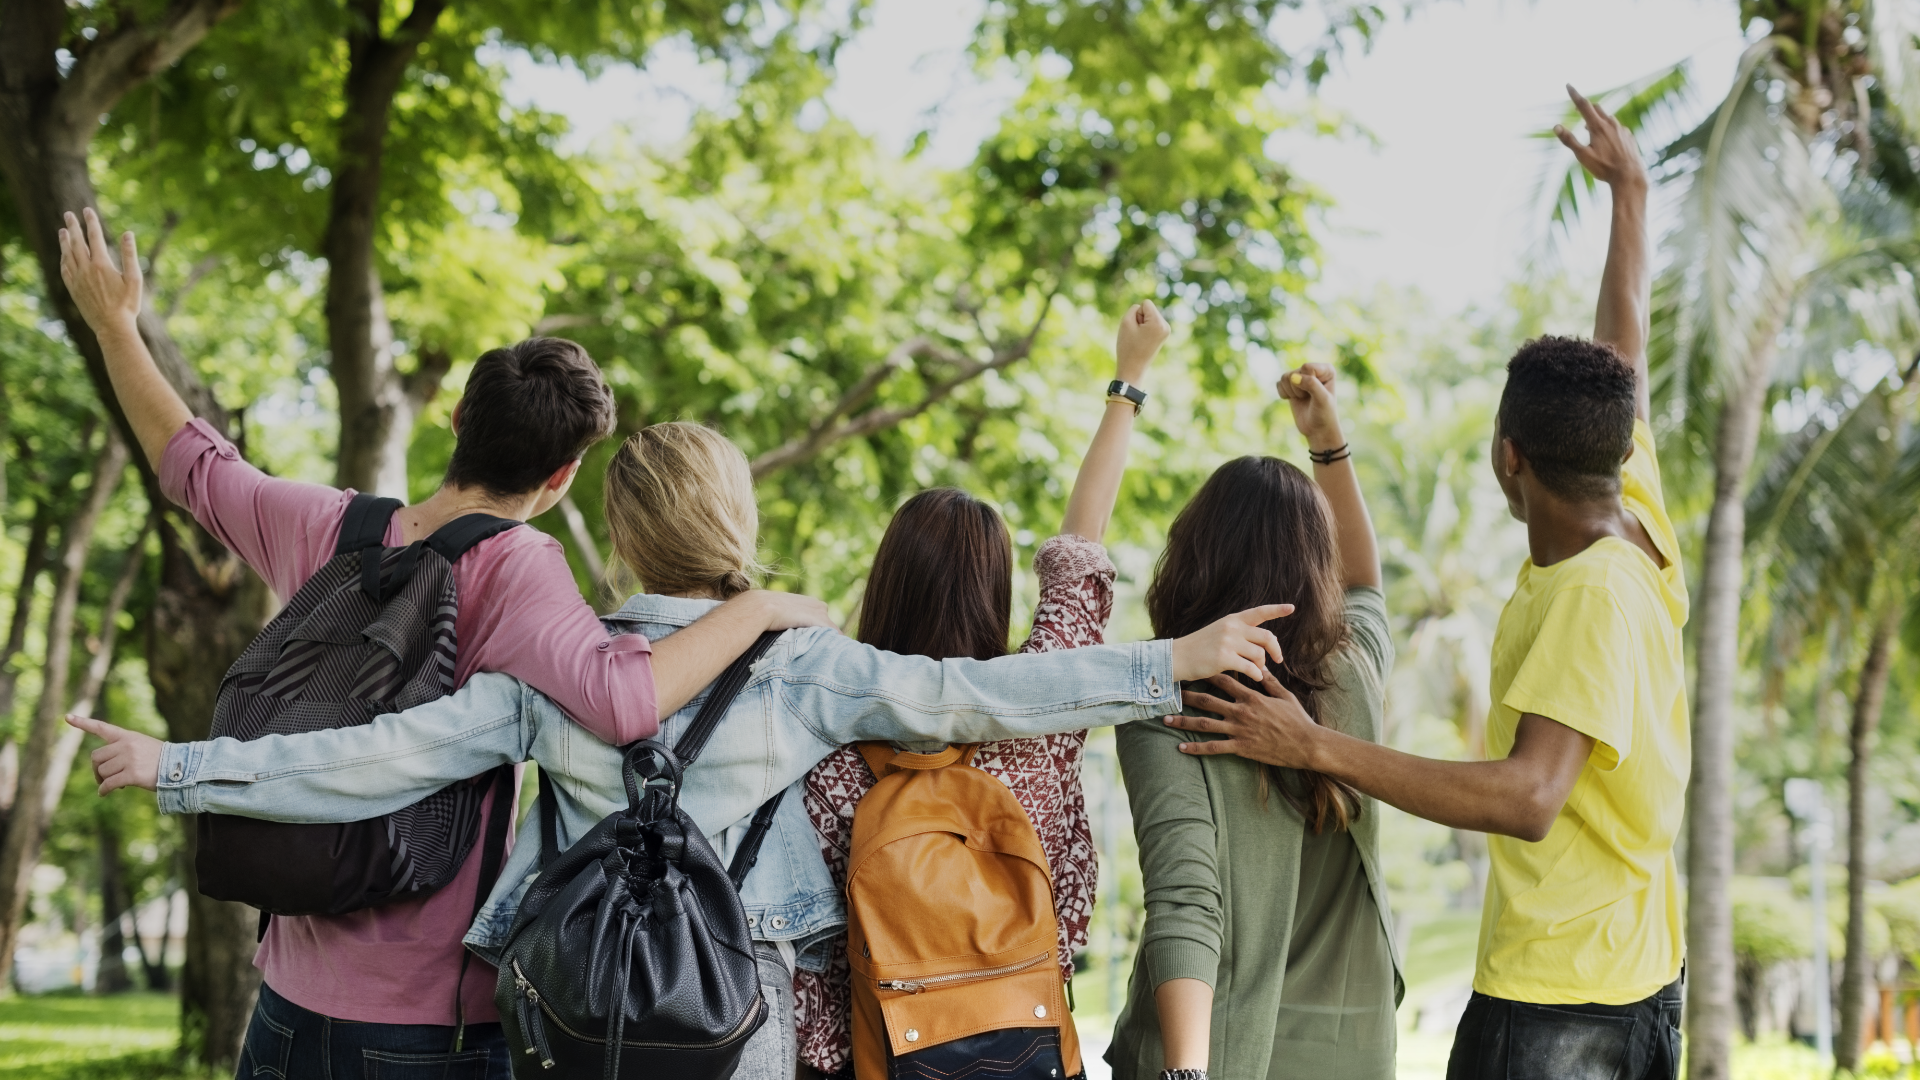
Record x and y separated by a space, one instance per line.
1581 943
1267 950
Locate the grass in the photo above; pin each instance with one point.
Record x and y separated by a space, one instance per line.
71 1036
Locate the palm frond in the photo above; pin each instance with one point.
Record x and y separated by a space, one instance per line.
1749 199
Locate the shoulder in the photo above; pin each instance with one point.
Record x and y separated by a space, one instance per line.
1369 633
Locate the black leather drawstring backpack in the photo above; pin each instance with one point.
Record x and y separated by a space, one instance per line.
630 956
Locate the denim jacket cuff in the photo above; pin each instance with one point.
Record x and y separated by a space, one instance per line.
174 788
1154 686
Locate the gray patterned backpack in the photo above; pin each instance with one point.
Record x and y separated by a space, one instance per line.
370 632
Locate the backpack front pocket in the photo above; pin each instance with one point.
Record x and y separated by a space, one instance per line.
927 1011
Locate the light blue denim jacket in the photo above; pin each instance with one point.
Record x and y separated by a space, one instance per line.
814 691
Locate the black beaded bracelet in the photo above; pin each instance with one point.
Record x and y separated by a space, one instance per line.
1328 457
1183 1074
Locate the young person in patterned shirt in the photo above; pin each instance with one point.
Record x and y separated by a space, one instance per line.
942 586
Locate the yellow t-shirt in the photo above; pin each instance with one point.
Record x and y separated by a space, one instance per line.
1592 912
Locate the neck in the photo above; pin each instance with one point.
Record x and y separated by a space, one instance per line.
696 594
1559 529
451 502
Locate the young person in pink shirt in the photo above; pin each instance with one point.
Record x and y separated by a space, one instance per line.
383 979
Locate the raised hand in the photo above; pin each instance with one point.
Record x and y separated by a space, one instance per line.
1609 153
108 296
129 759
1308 390
1142 331
1238 642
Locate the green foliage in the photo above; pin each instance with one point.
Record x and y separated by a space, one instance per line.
1770 924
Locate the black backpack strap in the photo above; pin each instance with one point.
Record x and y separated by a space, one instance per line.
365 523
748 853
493 852
719 699
549 822
458 536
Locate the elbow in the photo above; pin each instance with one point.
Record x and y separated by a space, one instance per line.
1532 815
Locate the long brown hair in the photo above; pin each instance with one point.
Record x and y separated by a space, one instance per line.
942 582
1259 532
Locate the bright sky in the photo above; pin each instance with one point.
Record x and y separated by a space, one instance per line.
1442 199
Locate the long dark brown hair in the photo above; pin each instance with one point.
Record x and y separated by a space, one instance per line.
942 582
1259 532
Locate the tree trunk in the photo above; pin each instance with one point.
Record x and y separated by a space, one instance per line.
112 977
39 764
31 563
377 406
1856 980
1711 1008
208 605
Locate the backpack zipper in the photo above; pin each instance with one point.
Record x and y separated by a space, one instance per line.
529 994
934 982
528 1006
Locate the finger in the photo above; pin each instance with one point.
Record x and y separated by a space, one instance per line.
1200 699
1212 746
1265 645
91 726
1199 723
75 231
1277 689
1317 390
1266 613
130 258
97 240
1237 690
1588 110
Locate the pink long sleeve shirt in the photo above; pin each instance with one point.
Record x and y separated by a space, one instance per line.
520 613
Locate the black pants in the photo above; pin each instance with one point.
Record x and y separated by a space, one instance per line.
1513 1040
287 1042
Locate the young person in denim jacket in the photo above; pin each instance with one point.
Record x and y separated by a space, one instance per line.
682 517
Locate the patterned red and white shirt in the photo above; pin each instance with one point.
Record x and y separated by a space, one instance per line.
1076 600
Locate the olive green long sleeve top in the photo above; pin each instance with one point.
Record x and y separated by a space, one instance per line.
1290 928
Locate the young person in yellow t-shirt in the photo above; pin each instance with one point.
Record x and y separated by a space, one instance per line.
1581 944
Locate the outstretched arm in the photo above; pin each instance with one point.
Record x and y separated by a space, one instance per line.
1621 317
1090 507
1309 391
109 299
1519 796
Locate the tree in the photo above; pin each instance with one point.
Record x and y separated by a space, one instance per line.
1841 503
208 605
43 768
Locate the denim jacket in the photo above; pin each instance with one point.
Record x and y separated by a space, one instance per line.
815 690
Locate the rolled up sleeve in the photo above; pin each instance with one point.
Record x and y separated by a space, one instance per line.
1174 826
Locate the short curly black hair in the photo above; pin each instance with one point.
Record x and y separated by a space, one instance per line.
1568 407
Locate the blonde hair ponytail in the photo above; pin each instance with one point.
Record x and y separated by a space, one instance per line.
680 508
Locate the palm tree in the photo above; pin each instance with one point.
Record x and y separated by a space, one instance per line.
1841 511
1754 253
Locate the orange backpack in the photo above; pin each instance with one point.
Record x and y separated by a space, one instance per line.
951 932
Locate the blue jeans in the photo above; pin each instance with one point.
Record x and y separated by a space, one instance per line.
287 1042
1513 1040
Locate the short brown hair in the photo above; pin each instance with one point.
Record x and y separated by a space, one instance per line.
528 409
680 509
1259 532
942 582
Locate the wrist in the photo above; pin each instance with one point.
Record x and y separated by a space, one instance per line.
118 326
1325 439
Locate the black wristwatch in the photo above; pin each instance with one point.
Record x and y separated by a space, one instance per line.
1117 390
